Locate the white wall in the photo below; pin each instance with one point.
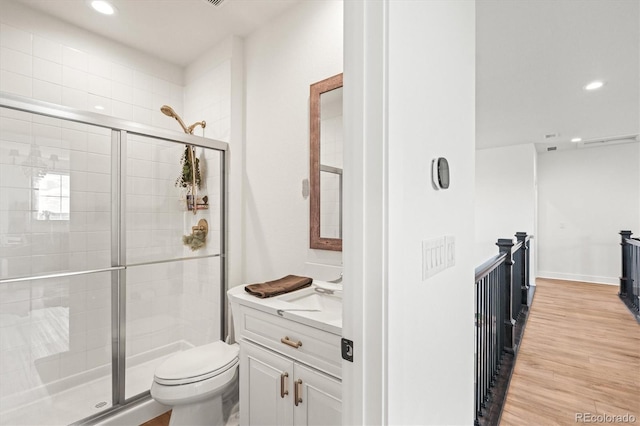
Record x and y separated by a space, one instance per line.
282 60
408 99
431 114
586 197
505 200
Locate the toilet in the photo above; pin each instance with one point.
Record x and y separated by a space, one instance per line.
193 383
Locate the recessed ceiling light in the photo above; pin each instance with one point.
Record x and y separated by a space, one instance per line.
99 107
576 140
103 7
594 85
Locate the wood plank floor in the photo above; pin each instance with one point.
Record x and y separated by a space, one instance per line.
161 420
580 354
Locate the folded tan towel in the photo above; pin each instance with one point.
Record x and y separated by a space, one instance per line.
277 287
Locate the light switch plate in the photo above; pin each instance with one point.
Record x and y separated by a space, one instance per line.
438 254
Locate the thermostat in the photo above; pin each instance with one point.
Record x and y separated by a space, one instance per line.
440 173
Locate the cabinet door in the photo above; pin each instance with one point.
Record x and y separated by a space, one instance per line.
320 395
265 377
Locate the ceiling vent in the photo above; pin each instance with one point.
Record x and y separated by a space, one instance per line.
621 139
552 148
551 135
614 140
215 2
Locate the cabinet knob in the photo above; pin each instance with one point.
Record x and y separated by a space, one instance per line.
291 343
283 385
297 390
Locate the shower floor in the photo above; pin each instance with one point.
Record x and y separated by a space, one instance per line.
81 401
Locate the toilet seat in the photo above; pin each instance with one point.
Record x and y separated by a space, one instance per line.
197 364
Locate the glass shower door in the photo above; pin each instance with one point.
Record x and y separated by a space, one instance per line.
97 283
173 293
55 270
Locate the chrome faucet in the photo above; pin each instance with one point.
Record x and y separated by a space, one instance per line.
337 280
324 290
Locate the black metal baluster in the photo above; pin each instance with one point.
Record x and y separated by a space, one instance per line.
494 343
486 344
495 330
490 323
635 277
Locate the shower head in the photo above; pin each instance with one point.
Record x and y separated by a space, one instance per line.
167 110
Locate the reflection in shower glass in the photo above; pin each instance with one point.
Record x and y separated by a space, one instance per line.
55 195
55 348
51 196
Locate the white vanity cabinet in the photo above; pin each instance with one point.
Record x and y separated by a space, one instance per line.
289 370
320 398
265 383
276 390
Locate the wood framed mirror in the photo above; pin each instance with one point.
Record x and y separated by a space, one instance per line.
325 106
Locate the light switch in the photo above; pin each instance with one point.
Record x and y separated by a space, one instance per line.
438 254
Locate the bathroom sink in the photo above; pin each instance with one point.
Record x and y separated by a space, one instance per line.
319 305
316 301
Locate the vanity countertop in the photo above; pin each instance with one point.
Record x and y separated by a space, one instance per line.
312 306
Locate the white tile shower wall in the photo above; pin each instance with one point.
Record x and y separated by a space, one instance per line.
201 302
35 64
208 97
154 295
157 217
177 301
154 213
201 297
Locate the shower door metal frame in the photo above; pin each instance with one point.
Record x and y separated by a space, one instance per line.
120 129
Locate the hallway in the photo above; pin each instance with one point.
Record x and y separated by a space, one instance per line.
580 356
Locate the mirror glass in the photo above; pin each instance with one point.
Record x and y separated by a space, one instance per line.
326 164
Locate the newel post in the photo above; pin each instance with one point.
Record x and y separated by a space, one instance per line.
625 259
524 258
506 246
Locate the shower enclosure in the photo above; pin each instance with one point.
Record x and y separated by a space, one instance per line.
96 285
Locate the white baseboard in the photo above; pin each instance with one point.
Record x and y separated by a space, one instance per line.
582 278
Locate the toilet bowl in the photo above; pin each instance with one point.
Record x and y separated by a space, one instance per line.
193 383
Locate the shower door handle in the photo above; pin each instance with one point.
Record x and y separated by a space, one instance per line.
283 385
